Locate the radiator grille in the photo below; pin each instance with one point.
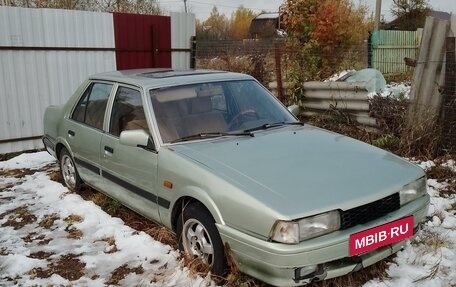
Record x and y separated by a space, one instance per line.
370 211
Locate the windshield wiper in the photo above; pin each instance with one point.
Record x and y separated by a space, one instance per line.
211 135
273 125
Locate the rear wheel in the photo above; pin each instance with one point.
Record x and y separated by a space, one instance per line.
199 237
68 171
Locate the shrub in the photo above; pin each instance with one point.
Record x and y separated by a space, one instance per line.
319 32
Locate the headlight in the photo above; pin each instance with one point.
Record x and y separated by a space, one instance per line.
317 225
413 190
286 232
293 232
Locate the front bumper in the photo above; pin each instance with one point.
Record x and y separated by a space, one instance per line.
320 258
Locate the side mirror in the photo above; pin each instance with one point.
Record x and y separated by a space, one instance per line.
137 138
294 109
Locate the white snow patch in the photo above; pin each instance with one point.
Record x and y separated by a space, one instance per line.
339 75
28 160
397 90
426 164
42 197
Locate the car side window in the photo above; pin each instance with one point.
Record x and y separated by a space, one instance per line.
127 112
91 107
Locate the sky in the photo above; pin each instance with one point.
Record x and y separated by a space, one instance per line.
202 8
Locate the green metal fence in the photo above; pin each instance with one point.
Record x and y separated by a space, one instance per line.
387 50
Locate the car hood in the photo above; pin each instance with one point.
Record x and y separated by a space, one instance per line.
302 170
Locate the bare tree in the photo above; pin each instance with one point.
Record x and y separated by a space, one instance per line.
18 3
126 6
404 7
410 14
131 6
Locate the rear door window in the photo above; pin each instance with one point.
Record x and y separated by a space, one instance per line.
91 108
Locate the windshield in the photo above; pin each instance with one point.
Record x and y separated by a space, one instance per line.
215 108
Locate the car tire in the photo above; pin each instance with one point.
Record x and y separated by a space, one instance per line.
68 171
198 237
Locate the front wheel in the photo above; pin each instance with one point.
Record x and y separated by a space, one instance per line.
68 171
199 237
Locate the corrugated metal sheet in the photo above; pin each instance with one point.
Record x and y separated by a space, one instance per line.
429 74
319 97
448 111
182 30
389 48
143 41
38 75
352 98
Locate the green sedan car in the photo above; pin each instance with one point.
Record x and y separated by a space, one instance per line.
220 161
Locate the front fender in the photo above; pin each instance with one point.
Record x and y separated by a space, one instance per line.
190 193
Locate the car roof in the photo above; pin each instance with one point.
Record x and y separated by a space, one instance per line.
153 78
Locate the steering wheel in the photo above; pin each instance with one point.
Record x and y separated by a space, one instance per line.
236 122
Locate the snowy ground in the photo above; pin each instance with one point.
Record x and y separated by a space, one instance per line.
49 236
429 259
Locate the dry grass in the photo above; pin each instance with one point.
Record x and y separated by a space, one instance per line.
399 137
17 173
441 173
163 235
390 114
444 174
41 255
99 198
421 140
33 236
68 266
418 140
131 218
121 272
195 265
433 272
358 278
73 218
55 176
48 220
434 241
74 233
400 78
18 217
4 251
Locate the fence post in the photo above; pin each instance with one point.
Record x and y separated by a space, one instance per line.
369 50
278 71
193 53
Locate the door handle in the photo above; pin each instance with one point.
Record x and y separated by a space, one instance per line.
71 133
108 150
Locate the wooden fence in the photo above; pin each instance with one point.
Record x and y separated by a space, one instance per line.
387 50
